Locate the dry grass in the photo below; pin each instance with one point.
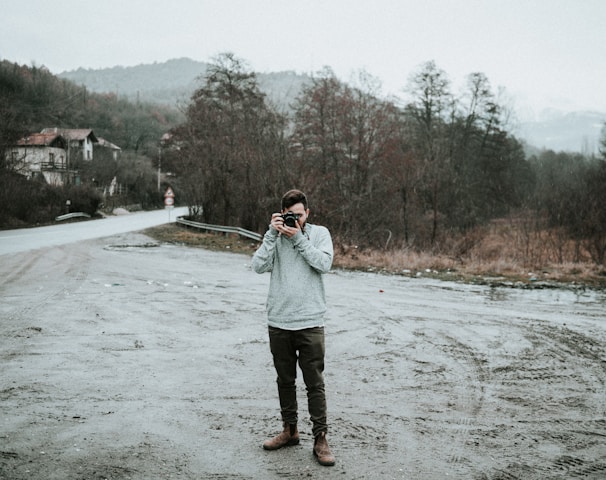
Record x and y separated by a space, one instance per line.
492 257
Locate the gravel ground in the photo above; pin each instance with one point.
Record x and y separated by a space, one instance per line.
124 358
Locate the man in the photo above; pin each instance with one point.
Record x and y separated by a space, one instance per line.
297 254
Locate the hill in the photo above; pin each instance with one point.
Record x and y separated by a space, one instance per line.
173 82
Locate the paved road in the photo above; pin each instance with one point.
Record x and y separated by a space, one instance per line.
21 240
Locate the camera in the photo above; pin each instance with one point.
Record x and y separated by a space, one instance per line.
290 219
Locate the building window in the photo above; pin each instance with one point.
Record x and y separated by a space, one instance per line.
51 159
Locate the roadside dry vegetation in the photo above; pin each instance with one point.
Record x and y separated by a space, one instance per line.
495 257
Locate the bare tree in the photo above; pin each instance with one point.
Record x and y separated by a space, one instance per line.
230 146
429 119
341 140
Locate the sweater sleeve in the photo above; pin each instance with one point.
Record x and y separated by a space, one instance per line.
318 250
263 258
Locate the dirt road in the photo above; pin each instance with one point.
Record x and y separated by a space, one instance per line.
124 359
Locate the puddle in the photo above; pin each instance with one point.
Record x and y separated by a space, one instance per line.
133 246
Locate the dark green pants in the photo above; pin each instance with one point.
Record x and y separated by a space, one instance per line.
307 348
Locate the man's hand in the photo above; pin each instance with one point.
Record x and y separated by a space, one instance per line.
277 223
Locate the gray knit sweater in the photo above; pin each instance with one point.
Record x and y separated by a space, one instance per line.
296 298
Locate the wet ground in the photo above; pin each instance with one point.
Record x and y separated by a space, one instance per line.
124 359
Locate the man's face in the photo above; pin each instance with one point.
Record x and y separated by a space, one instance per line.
298 209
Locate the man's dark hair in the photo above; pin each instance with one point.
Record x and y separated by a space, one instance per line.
293 197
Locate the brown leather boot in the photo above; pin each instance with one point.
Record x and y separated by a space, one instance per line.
288 437
322 451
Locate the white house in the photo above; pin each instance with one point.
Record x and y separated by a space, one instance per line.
56 154
80 142
41 154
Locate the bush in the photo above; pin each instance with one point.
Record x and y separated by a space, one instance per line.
82 199
33 202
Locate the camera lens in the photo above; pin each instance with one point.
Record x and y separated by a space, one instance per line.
290 219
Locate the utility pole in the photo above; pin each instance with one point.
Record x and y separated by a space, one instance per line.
159 164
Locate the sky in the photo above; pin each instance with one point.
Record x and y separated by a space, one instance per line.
540 54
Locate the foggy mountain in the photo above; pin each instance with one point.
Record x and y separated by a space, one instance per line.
564 131
173 82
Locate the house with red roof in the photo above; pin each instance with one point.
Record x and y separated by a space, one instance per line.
80 142
41 155
55 154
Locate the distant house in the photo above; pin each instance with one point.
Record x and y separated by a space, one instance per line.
115 150
41 155
80 142
55 154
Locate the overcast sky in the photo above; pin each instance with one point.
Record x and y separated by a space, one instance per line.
544 53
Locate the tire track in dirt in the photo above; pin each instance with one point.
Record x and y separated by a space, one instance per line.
66 267
375 412
21 317
28 325
14 267
560 370
487 384
467 385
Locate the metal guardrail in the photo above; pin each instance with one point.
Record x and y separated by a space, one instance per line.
220 228
67 216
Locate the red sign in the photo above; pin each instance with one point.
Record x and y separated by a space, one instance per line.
169 197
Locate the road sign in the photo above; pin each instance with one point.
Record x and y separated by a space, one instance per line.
169 197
